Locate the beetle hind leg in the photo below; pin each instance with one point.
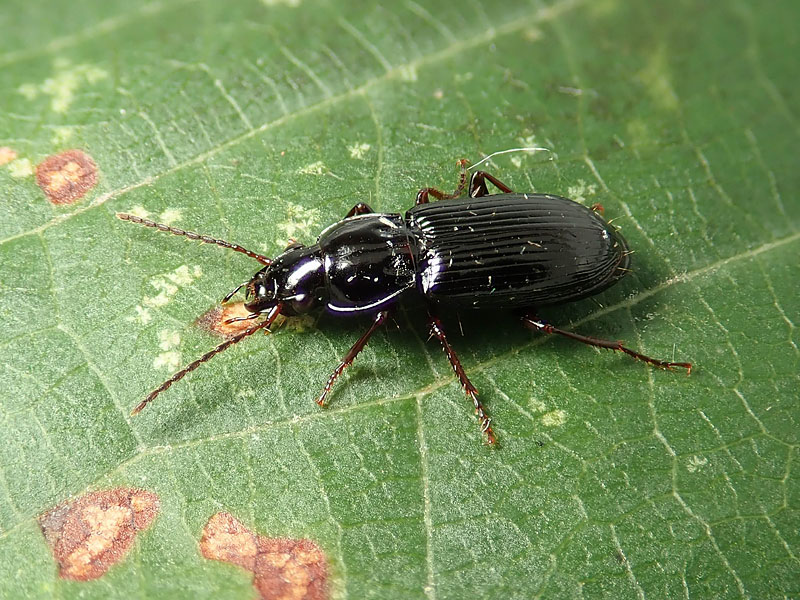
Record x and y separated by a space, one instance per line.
359 209
472 393
478 188
537 324
422 195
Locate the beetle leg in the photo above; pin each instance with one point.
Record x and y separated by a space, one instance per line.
359 209
351 355
477 184
422 195
539 325
471 390
598 208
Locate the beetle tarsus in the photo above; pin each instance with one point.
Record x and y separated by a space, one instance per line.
539 325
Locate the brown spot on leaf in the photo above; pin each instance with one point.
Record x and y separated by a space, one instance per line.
214 319
283 569
6 155
95 531
66 177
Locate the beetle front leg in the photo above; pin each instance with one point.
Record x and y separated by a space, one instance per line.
471 391
537 324
477 184
380 318
359 209
422 195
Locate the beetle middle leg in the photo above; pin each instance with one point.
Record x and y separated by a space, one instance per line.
537 324
379 319
422 195
478 188
471 391
359 209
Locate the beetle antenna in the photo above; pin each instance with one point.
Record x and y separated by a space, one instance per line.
264 260
271 315
493 154
233 292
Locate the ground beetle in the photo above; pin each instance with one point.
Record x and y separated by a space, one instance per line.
506 251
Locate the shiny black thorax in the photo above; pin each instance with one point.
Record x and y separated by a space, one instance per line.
500 251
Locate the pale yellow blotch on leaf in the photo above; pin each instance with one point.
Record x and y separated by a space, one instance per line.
61 135
169 216
580 190
358 150
168 339
315 168
407 73
168 284
695 463
63 84
143 315
300 224
554 418
170 360
20 168
139 211
537 405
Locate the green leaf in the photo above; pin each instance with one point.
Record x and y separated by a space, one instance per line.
259 121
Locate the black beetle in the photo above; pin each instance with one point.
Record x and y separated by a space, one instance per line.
506 251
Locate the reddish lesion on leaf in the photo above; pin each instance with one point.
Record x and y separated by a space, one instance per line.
7 155
66 177
215 319
90 534
282 568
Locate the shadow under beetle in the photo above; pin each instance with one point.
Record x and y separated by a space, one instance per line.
506 251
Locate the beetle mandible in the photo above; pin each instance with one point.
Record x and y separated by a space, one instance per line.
508 251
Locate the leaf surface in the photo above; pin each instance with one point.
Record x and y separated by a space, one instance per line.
263 121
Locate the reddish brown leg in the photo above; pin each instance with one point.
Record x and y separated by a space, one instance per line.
539 325
351 355
422 195
471 390
194 236
271 315
477 184
359 209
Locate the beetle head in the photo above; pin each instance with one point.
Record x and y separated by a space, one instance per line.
295 280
